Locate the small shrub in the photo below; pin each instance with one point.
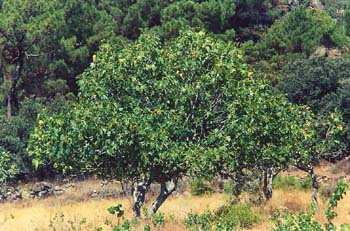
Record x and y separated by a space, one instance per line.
288 182
172 218
158 220
306 183
326 190
244 214
289 221
345 227
200 187
282 182
118 211
145 211
199 222
124 227
228 186
226 218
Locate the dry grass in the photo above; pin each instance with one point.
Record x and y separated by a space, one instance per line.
299 201
74 206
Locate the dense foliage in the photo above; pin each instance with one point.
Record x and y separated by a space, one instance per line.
322 84
144 109
154 113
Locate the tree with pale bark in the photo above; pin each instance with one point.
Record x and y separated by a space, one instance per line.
154 113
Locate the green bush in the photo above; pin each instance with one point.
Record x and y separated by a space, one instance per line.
244 214
228 185
288 182
229 217
199 222
200 187
158 220
124 227
306 183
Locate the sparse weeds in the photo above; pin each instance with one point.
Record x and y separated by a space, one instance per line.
305 221
60 223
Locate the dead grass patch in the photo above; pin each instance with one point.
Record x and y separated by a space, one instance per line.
75 206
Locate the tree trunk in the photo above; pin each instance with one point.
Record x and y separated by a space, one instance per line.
310 170
139 195
166 189
237 183
269 176
12 98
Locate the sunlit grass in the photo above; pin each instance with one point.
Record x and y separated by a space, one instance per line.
76 208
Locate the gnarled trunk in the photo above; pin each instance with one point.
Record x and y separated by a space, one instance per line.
269 176
166 189
19 61
12 98
310 170
139 195
237 183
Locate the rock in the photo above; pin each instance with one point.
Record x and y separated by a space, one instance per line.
108 193
15 196
316 4
46 185
58 188
26 194
320 51
288 5
94 194
41 189
42 194
58 192
323 51
334 53
69 185
38 187
323 179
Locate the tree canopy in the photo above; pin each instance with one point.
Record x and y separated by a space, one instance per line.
153 112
